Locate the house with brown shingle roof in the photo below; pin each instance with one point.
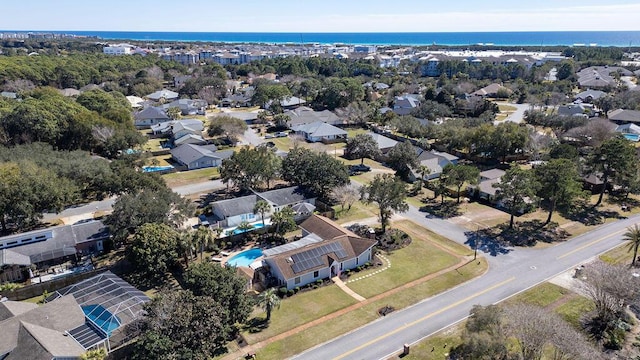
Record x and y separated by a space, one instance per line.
325 251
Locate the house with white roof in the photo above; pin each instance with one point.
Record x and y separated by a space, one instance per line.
435 161
320 131
165 94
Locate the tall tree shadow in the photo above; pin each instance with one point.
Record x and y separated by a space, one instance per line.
445 211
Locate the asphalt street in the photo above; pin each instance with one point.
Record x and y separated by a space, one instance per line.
511 271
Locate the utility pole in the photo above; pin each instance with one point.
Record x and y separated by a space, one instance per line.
475 244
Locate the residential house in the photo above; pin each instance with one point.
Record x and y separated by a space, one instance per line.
246 116
581 110
623 116
588 96
593 183
435 161
230 213
320 131
69 92
189 139
118 49
325 251
149 116
484 190
384 143
174 127
491 90
47 247
404 105
600 77
236 100
198 157
163 95
188 106
304 115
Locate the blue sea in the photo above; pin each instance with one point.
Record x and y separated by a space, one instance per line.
567 38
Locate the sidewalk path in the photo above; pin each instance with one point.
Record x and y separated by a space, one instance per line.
336 280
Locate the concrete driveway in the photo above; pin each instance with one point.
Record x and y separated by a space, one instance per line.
517 116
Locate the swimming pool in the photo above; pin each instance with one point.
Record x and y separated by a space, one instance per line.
245 258
632 137
156 168
102 318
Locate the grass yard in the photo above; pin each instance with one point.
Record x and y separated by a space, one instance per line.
358 211
191 176
573 310
542 295
160 160
407 264
334 327
352 132
153 144
301 309
437 346
619 255
507 108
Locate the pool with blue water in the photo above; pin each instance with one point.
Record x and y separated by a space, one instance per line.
245 258
102 317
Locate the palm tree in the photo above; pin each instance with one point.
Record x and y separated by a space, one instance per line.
424 171
185 246
633 236
261 207
202 238
268 300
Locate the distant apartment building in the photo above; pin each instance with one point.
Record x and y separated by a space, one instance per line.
118 49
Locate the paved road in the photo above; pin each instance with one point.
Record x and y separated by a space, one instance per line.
517 116
86 211
511 271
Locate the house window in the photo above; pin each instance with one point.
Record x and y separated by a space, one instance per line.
340 266
357 261
296 280
315 274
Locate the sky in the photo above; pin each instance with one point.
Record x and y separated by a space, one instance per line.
321 16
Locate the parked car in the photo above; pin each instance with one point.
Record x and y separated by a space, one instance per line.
269 136
357 169
281 134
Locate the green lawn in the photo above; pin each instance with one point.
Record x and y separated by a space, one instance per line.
407 264
504 108
573 310
192 176
301 309
357 212
619 255
542 295
152 144
436 347
160 160
334 327
352 132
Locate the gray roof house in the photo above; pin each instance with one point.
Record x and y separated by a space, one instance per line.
490 90
149 116
484 189
188 106
48 245
304 115
404 105
384 143
163 94
589 95
628 129
229 213
320 131
40 332
189 139
198 157
622 116
600 76
173 126
582 110
320 255
435 161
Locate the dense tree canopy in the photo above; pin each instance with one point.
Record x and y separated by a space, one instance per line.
251 168
389 193
559 184
318 172
180 325
153 250
225 286
362 146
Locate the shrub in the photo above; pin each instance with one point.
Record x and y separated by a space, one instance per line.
282 291
290 292
296 289
9 287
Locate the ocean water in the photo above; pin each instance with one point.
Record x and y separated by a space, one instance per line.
586 38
